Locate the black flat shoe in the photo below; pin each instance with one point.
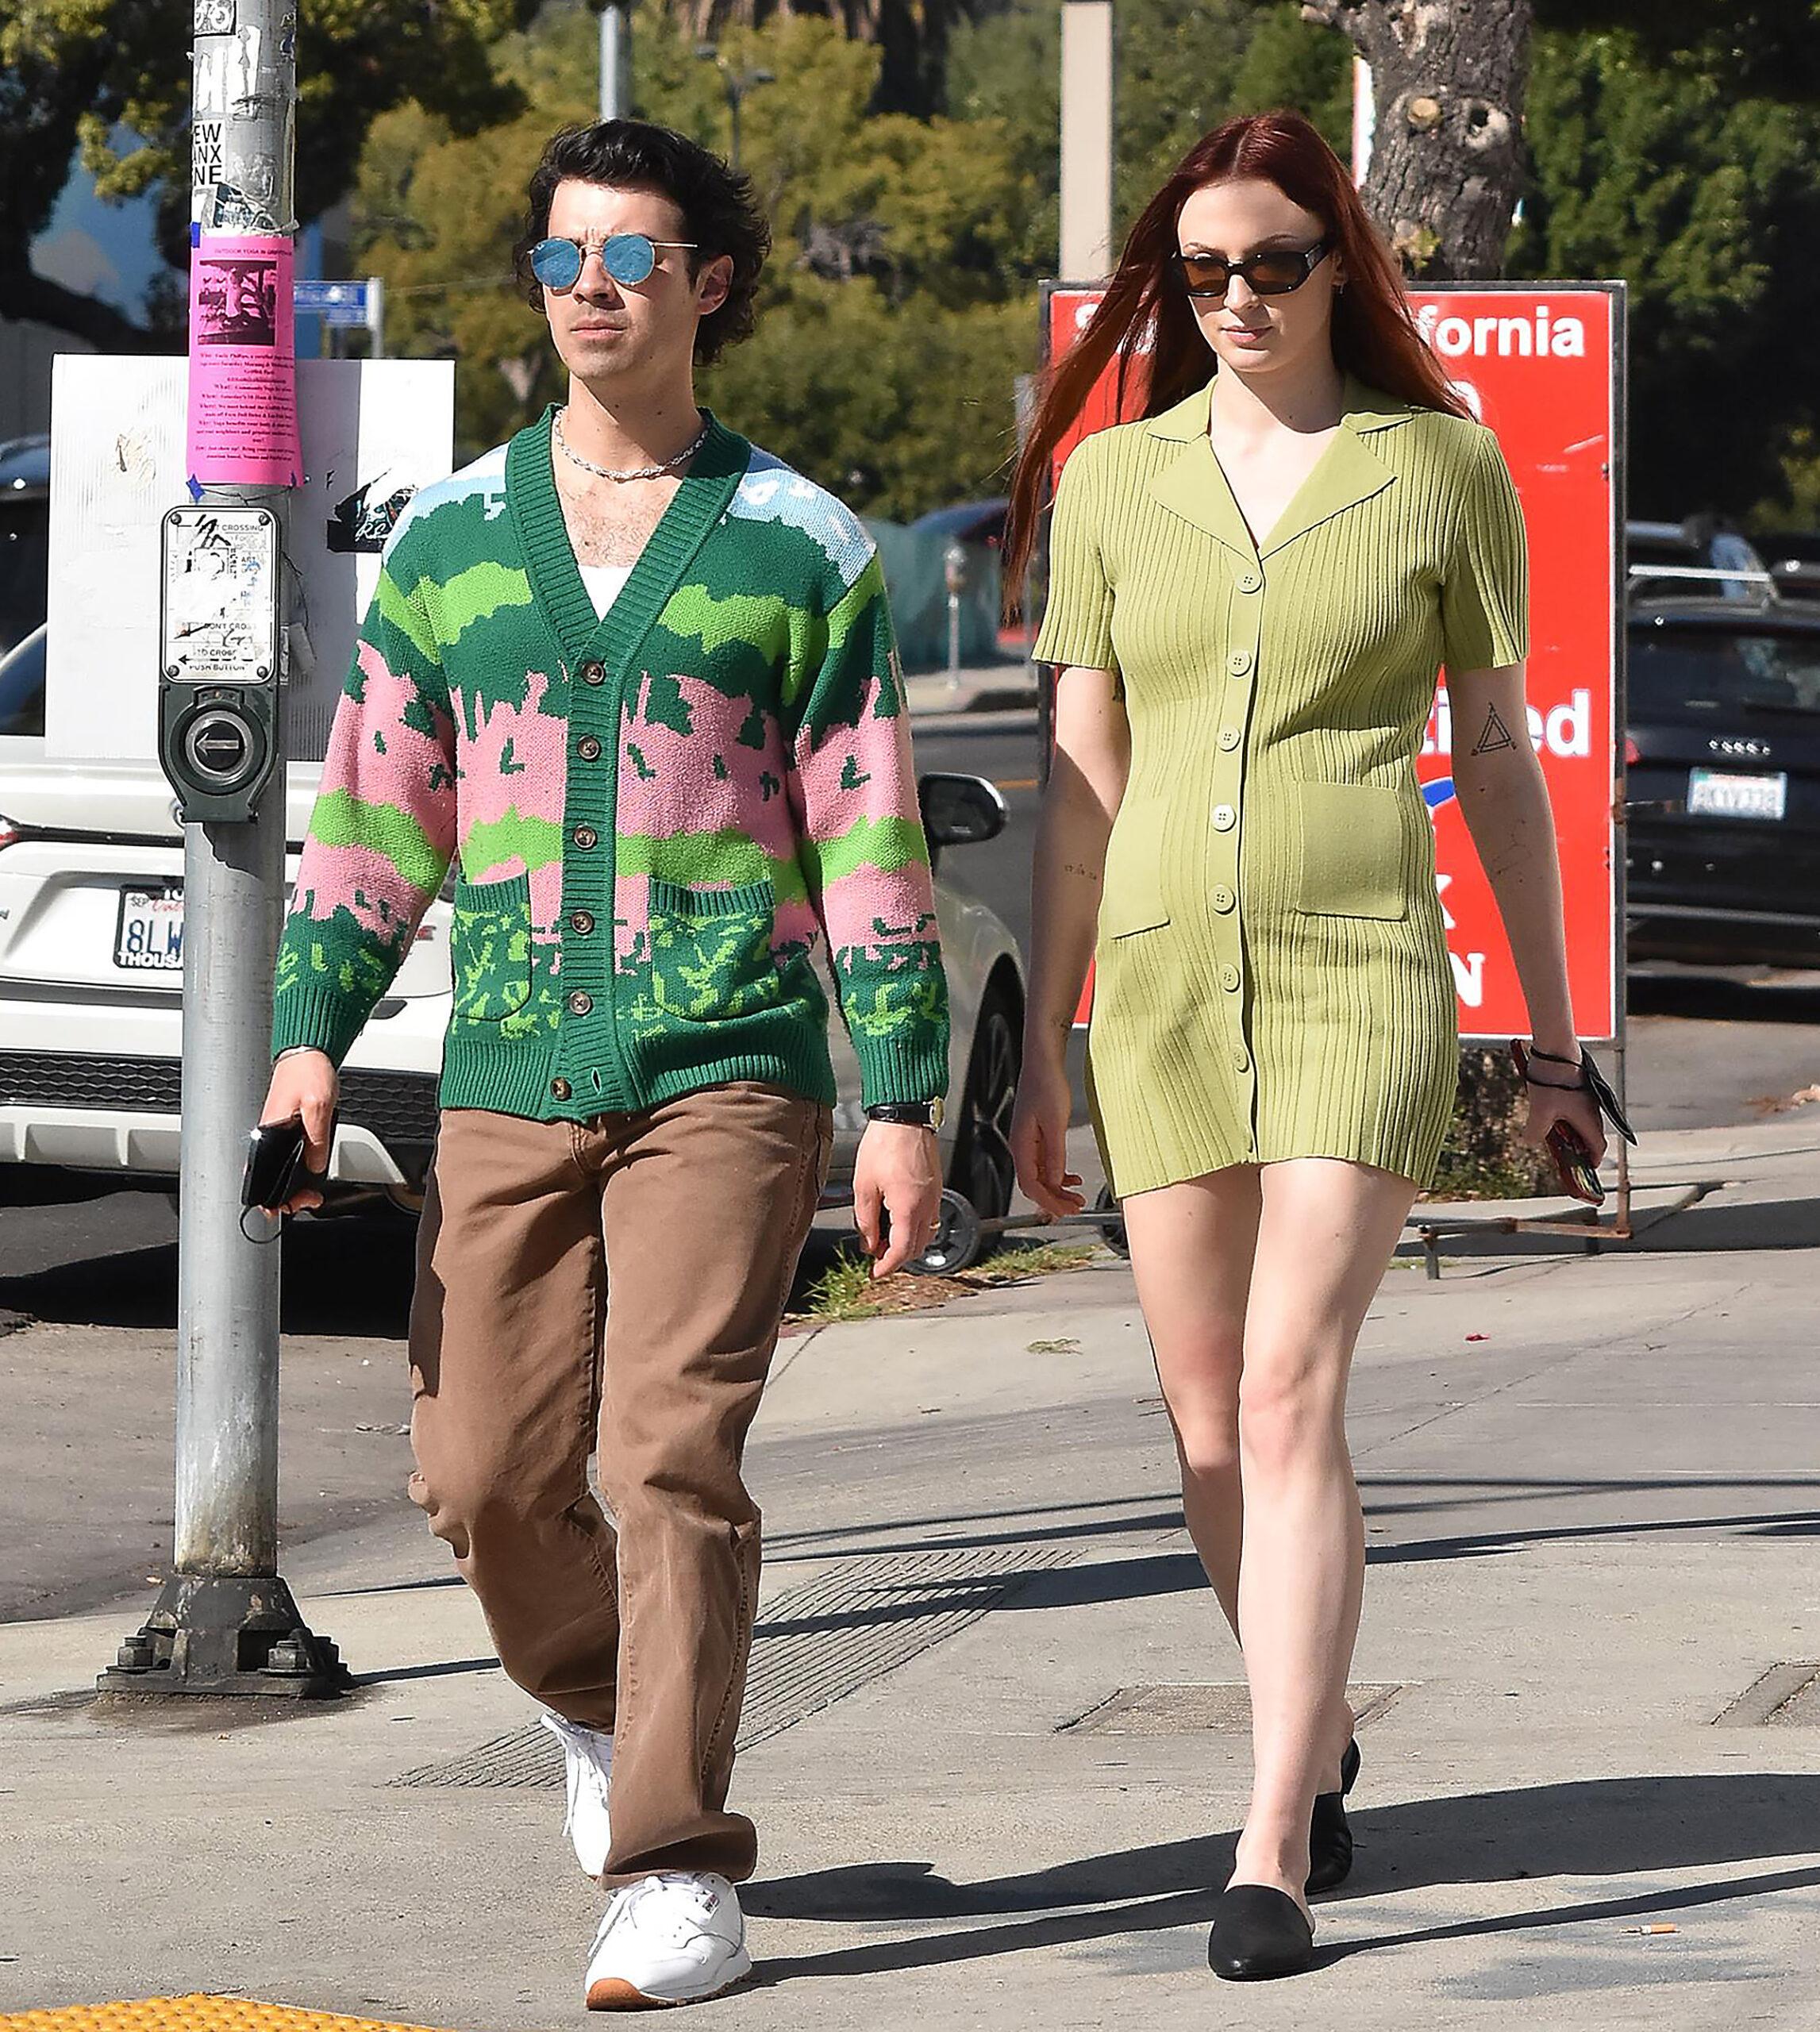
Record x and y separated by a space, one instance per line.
1258 1932
1330 1837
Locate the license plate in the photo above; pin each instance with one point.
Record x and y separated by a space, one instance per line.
148 937
1721 795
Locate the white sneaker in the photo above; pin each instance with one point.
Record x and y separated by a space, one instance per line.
587 1760
675 1937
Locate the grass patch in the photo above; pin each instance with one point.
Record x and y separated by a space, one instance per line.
848 1291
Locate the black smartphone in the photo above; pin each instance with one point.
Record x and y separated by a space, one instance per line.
275 1167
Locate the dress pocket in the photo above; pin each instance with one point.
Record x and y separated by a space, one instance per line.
710 950
1132 898
1352 852
492 948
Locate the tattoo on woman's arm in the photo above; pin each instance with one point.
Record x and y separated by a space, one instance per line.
1495 736
1080 868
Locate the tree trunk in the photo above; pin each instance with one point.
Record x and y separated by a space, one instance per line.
1448 80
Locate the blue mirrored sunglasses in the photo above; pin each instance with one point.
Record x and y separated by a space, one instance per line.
628 257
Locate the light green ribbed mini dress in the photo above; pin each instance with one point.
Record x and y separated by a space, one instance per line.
1271 977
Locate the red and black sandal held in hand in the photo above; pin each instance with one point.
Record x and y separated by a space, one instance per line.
1578 1175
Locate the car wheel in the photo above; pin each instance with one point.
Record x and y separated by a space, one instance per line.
981 1168
956 1242
1112 1234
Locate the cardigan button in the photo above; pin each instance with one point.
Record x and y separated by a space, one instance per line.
580 1003
560 1090
594 673
588 748
1247 581
1223 898
586 836
1230 738
1242 1059
582 921
1224 818
1230 979
1239 662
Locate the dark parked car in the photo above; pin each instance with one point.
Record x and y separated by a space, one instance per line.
1793 556
1724 755
1694 559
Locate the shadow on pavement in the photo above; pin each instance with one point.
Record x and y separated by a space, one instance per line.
350 1276
1606 1828
1722 998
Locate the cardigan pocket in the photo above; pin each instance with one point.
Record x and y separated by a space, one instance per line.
710 950
1131 896
492 948
1350 863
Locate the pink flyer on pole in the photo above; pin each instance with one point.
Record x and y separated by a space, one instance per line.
243 363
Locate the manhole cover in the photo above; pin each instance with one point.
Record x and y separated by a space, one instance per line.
1785 1697
813 1646
1177 1710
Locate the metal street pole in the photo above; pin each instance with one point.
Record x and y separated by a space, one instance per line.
223 1621
1087 250
615 64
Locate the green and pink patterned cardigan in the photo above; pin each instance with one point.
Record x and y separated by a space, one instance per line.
655 816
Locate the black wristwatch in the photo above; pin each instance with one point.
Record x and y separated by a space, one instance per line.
913 1115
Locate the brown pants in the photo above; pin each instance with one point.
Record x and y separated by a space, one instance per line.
698 1208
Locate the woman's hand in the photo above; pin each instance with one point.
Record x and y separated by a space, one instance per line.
1039 1138
1575 1106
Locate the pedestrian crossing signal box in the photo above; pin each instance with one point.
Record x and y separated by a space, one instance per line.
218 659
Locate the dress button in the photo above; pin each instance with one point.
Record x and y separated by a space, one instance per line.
1224 818
1242 1059
580 1003
594 673
1223 897
587 837
1230 738
1229 980
560 1090
581 920
1247 581
1239 662
588 748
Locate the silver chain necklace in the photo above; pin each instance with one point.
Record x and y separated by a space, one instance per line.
641 472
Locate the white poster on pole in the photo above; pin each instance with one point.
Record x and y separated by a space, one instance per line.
373 433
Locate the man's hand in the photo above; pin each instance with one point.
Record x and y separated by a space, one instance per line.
897 1173
305 1087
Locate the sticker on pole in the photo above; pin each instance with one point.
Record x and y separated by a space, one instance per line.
243 363
219 623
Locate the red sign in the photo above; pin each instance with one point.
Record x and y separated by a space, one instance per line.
1538 363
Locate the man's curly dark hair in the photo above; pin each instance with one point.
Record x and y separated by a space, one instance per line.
720 210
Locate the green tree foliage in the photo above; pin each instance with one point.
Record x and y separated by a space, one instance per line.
1183 67
893 319
1655 163
115 76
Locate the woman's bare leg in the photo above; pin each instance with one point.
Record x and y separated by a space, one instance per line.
1325 1234
1191 1250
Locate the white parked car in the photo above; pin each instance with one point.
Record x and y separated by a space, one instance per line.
91 928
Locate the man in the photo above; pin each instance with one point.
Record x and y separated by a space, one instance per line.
637 679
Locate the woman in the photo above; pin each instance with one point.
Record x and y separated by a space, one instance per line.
1250 592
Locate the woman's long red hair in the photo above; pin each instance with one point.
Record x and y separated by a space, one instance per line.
1373 335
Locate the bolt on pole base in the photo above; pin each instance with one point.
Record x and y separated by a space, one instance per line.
227 1634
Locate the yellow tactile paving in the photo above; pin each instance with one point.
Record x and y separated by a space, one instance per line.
196 2014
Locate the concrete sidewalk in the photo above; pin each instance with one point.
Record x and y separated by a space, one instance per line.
1000 687
995 1735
